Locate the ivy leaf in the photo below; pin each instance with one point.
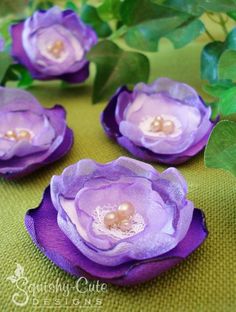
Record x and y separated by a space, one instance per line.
220 152
217 89
186 33
148 23
227 65
232 15
189 6
109 9
197 7
211 56
90 16
209 60
146 36
17 72
218 5
5 62
116 67
71 6
227 102
44 5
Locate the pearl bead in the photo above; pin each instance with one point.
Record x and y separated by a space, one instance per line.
11 135
125 225
168 127
125 211
23 135
111 219
56 48
156 124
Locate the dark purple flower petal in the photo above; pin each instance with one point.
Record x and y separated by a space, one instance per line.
41 223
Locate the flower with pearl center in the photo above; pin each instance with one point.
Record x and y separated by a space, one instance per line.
121 222
30 136
165 121
53 44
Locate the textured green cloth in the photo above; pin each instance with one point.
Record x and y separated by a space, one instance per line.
206 281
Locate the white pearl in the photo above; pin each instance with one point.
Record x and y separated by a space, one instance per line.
111 219
125 211
125 225
24 135
156 124
11 135
168 127
56 48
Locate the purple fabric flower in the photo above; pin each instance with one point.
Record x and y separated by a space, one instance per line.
70 225
165 121
53 45
30 136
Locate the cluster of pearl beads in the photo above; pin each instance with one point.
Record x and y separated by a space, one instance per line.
121 218
56 48
161 125
17 136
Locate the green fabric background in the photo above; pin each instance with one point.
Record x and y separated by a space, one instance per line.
206 281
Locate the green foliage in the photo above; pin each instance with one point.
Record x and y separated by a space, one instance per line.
109 9
149 22
221 149
116 67
218 59
5 62
90 16
12 7
197 7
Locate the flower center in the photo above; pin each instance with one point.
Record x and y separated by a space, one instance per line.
56 49
121 217
119 221
159 124
18 135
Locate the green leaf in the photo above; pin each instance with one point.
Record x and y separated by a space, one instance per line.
221 149
115 68
71 6
227 102
209 60
217 89
232 15
90 16
12 7
148 23
217 5
227 65
189 6
197 7
5 62
186 33
44 5
17 72
211 56
109 9
134 12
